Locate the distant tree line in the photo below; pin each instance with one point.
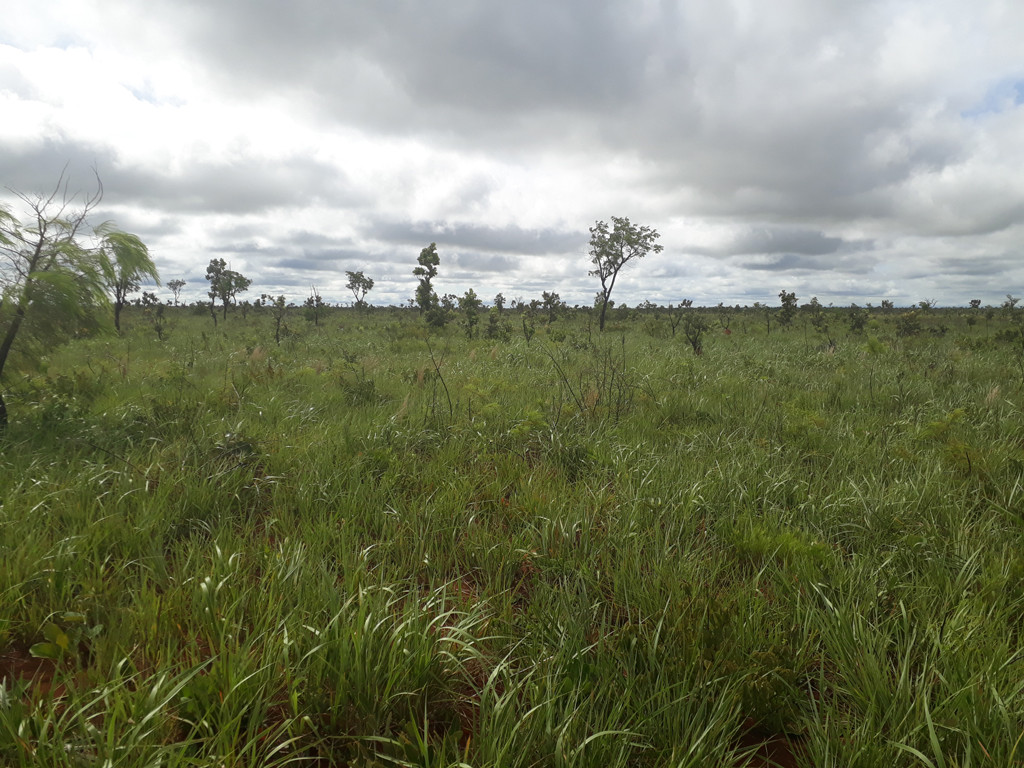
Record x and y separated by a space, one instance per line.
60 277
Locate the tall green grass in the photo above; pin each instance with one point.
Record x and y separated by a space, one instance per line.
367 546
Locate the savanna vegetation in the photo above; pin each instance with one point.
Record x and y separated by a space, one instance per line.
363 536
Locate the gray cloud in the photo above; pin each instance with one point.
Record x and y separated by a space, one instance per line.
508 239
802 262
857 141
230 186
695 91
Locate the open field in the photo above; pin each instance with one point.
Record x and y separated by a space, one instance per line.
366 545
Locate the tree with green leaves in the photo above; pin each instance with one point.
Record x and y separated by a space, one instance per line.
470 306
176 286
360 285
694 328
819 319
429 261
126 263
278 308
314 306
857 319
552 304
611 249
51 283
788 309
225 284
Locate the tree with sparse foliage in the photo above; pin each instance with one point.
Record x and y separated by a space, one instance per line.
278 308
126 262
613 248
676 314
176 286
225 284
819 319
767 311
360 285
314 306
694 328
51 284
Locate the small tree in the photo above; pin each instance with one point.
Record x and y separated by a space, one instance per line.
496 327
50 283
278 308
499 302
611 249
908 324
126 262
153 310
788 309
764 308
819 319
858 319
722 312
428 261
552 304
470 305
694 328
225 284
529 327
675 314
176 286
314 306
360 285
212 305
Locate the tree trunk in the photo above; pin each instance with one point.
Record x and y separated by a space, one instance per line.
12 332
5 350
604 308
117 316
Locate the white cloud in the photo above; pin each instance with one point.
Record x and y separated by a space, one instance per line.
841 149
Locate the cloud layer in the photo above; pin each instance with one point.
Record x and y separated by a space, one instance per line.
850 151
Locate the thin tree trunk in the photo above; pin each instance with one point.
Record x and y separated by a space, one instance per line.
5 350
12 332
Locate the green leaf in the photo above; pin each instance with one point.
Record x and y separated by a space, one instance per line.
46 651
56 636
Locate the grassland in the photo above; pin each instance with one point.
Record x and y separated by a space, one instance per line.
371 546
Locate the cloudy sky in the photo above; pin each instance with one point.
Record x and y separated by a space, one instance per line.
851 150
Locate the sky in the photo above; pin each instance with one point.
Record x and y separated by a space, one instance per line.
853 151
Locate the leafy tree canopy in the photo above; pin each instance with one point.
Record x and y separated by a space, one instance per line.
612 248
